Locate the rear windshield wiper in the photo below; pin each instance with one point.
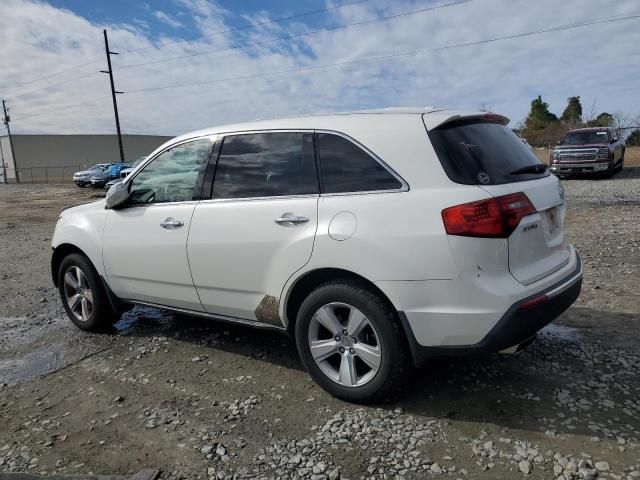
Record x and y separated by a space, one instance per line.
535 168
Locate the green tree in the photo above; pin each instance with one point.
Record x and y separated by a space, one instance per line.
633 140
603 120
572 114
539 117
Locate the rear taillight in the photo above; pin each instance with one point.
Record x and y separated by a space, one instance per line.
494 217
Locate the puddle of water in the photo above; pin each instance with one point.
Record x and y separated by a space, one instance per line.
18 331
31 347
34 364
562 332
144 318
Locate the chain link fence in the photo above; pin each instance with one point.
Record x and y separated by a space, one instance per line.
50 174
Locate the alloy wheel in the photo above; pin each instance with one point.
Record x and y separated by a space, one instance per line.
344 344
78 293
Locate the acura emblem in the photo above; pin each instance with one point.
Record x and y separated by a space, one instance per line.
484 178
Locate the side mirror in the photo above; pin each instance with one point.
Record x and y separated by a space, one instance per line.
558 142
117 195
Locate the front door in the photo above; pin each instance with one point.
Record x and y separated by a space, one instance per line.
144 243
258 228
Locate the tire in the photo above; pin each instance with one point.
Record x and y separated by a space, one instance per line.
380 332
621 166
610 170
91 311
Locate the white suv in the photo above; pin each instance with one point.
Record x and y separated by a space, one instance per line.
377 239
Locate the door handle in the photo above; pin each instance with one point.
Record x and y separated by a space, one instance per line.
171 224
289 220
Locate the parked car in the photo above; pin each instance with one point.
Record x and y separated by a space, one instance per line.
376 239
588 150
132 167
83 178
100 179
111 183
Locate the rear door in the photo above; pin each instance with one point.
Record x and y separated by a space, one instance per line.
258 228
486 153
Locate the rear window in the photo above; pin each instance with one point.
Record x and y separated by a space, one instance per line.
482 152
585 138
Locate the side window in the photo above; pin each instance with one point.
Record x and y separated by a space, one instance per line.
171 176
345 167
266 165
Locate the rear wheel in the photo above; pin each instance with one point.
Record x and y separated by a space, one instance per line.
83 295
350 342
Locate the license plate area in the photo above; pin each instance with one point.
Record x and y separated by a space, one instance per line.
550 221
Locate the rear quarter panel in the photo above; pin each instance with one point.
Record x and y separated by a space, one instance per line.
398 236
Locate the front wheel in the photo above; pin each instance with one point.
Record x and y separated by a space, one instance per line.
610 170
83 295
621 166
350 341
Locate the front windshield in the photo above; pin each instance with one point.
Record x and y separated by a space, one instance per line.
585 138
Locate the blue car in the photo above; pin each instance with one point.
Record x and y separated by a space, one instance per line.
115 169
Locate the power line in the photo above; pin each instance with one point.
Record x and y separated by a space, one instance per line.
390 56
61 107
173 43
53 74
253 25
47 87
300 35
244 27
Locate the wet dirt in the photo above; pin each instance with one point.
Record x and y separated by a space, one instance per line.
165 390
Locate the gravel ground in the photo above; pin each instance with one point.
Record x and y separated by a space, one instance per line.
203 400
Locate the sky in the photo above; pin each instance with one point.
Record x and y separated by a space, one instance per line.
189 64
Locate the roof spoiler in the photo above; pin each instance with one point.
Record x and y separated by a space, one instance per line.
435 121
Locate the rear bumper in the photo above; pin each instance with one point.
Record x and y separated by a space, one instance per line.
581 167
518 324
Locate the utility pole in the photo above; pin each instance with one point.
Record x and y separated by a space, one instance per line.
4 167
7 120
113 91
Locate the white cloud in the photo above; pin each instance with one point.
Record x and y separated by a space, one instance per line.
168 19
598 62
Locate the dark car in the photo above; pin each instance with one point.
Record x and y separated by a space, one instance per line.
588 150
111 183
100 179
83 178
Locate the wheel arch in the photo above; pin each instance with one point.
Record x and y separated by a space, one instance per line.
310 280
59 253
62 251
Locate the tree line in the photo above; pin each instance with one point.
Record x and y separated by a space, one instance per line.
542 127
